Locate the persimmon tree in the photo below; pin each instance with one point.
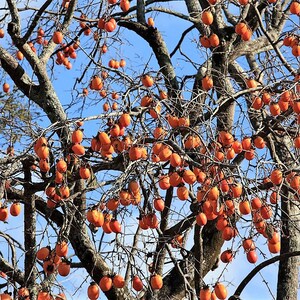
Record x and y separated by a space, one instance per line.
133 158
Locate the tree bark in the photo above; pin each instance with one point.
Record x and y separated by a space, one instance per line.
287 286
288 272
30 234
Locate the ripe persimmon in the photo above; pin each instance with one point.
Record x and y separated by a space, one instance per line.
61 249
105 283
15 209
295 8
252 256
2 33
93 291
226 256
220 290
137 283
207 17
207 83
64 268
43 253
276 176
118 281
156 282
4 213
147 80
57 37
159 204
124 5
6 87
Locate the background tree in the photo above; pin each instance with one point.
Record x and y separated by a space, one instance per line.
135 160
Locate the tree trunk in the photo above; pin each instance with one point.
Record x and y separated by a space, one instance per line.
288 271
287 286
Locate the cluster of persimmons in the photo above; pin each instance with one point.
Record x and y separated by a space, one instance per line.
218 196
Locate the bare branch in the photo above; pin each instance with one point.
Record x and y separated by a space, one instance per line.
262 265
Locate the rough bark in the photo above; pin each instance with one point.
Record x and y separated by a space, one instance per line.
175 284
288 274
159 47
247 279
90 258
29 234
197 262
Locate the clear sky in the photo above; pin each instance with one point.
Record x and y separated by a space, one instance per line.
137 54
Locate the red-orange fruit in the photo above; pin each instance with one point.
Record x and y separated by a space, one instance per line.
207 17
201 219
214 40
207 83
43 253
3 214
61 249
227 233
182 193
78 149
15 209
226 256
64 268
295 8
221 291
274 248
137 284
205 293
93 291
147 80
118 281
244 207
57 37
205 42
252 256
156 282
159 204
276 177
61 166
115 226
241 28
248 244
105 283
256 203
84 172
189 177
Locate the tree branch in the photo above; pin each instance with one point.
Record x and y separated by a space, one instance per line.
36 19
43 95
29 235
156 42
262 265
11 271
140 9
47 51
274 45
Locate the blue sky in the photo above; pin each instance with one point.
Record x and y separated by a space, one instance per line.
137 54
